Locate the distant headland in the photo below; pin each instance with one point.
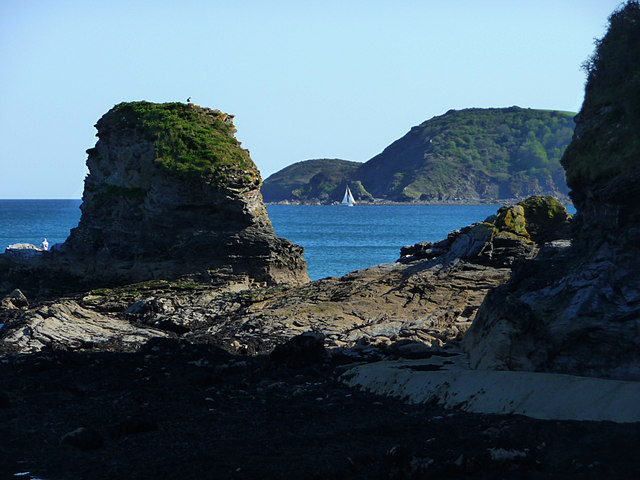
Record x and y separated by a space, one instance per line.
471 156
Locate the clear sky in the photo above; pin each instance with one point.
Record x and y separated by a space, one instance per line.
305 79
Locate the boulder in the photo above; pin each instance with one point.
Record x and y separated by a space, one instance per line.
15 300
300 351
22 251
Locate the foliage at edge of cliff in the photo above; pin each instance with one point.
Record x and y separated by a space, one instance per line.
191 142
607 143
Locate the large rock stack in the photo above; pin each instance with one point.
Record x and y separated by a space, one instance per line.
577 309
171 194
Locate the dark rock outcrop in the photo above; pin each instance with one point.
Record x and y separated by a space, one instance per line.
23 251
300 351
83 438
170 194
577 309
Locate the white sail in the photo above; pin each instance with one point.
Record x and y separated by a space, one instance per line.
351 201
348 198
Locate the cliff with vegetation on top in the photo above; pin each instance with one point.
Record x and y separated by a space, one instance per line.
170 194
472 155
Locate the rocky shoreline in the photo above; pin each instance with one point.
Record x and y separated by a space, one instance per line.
168 379
426 299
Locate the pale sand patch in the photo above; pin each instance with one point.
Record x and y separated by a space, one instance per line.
450 382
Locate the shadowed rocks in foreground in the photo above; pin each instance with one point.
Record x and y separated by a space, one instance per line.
177 410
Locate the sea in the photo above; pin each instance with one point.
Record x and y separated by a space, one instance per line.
336 239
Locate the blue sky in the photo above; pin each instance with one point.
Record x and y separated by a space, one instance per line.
305 79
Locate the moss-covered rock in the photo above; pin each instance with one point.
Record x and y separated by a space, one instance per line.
546 218
603 159
512 220
170 195
536 218
189 141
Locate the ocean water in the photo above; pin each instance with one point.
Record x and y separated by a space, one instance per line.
30 221
336 239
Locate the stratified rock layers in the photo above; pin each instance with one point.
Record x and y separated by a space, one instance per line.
171 194
577 310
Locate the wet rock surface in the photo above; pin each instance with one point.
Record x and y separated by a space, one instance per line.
66 324
177 410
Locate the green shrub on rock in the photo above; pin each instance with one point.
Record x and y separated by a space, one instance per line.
536 218
189 141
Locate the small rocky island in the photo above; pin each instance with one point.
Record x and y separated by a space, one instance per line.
170 194
174 335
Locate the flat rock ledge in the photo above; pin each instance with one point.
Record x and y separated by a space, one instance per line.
66 323
447 380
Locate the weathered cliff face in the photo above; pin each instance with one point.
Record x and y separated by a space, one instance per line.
602 162
577 310
171 193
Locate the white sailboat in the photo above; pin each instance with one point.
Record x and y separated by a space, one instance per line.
348 198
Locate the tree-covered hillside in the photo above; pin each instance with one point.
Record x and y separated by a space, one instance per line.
471 155
310 181
474 154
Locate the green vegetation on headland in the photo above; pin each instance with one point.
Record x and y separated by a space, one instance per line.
467 155
309 179
189 141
